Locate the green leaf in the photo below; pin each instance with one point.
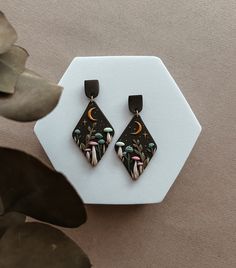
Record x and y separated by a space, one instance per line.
145 163
82 146
135 146
37 245
34 97
87 138
143 156
8 34
29 187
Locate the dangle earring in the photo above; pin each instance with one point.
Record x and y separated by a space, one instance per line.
135 147
93 133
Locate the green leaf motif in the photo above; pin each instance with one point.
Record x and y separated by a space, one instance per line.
143 156
135 146
82 146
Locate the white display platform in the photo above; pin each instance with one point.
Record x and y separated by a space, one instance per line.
166 114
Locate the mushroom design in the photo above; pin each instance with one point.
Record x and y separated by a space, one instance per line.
135 168
87 153
76 135
108 130
102 142
151 146
94 159
129 149
140 165
98 135
120 144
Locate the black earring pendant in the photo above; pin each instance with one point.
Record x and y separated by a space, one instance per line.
93 133
135 147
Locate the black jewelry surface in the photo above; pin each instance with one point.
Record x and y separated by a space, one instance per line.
135 147
93 133
135 103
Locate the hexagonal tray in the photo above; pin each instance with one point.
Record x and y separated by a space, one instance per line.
166 114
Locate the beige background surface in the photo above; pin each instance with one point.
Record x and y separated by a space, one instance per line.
195 226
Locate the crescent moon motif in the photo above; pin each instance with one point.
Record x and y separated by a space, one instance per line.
90 114
139 129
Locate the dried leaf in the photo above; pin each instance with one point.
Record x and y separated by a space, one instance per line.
9 220
34 98
8 79
39 245
33 189
15 58
12 63
8 34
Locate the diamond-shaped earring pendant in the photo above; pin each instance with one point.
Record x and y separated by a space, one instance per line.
135 147
93 133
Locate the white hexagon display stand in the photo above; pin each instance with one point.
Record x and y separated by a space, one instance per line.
166 114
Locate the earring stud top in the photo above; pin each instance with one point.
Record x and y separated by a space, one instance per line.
135 103
91 88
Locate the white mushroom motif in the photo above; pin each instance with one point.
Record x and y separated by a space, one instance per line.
76 135
87 153
135 168
120 144
94 159
108 130
140 165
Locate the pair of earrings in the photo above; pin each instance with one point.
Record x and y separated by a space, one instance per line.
94 133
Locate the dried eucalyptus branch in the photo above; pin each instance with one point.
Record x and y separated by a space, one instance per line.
27 186
24 95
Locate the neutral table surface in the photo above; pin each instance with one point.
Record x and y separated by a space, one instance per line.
195 226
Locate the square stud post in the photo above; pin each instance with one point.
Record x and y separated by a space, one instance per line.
91 88
135 103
